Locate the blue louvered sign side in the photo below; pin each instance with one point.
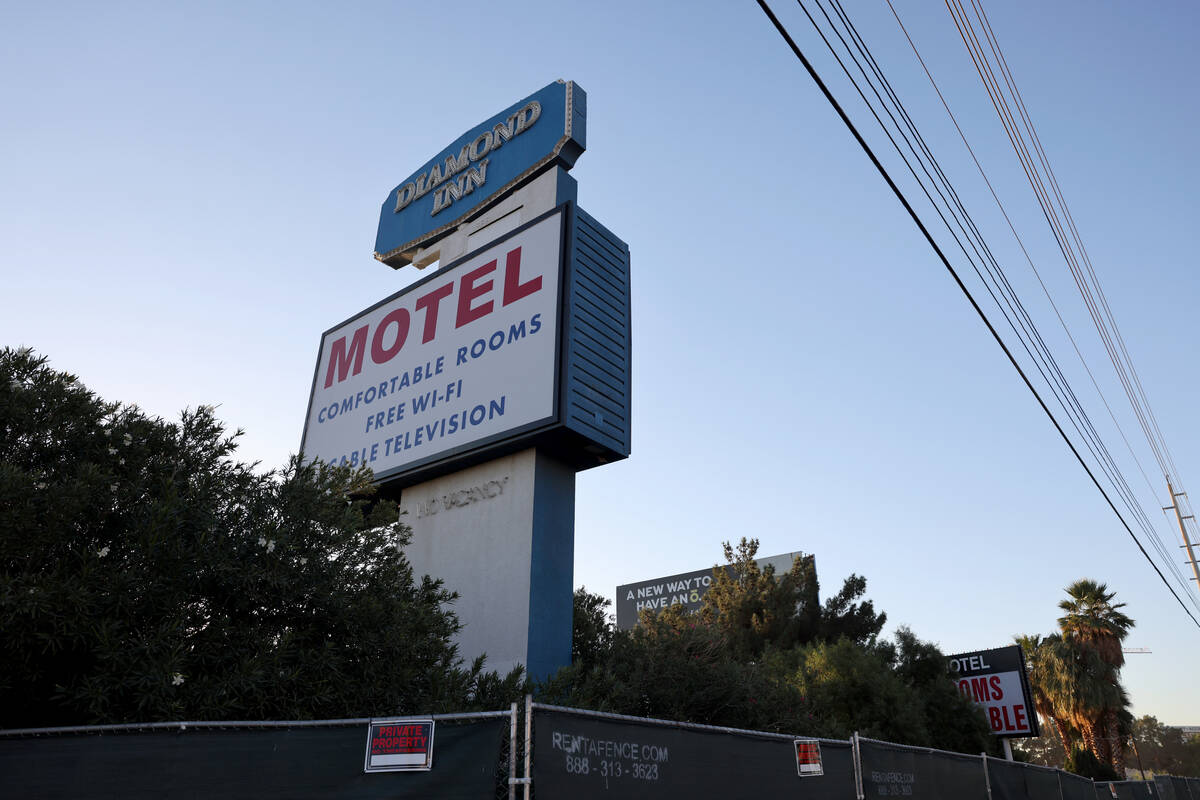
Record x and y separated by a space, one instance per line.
598 375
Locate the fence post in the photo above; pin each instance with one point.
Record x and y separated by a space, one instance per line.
512 752
987 779
856 758
528 746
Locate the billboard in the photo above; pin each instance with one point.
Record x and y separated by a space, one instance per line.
686 589
464 357
996 680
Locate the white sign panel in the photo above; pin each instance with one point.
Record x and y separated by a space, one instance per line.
464 356
808 758
994 679
401 744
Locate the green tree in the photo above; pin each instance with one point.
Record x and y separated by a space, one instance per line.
673 666
1075 675
900 691
145 574
1043 671
1063 678
1083 761
1165 749
760 655
853 690
1094 620
953 721
755 608
592 629
1046 749
1096 624
846 615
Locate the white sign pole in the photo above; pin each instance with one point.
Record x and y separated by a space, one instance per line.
502 533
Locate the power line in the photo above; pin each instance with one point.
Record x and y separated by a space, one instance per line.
1161 440
954 274
1081 267
1122 486
1080 264
999 102
1021 243
1027 333
996 49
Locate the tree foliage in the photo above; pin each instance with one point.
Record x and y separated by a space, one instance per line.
754 608
592 634
1083 761
763 653
1046 749
1094 621
1164 749
145 574
1075 676
673 666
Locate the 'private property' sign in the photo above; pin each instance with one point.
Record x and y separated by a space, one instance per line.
399 744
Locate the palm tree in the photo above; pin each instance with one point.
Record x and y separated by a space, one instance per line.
1093 620
1097 626
1073 679
1043 664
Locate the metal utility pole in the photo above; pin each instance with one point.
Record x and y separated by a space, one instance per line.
1187 543
1133 742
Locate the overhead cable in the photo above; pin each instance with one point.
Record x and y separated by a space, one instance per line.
950 268
1130 500
1025 328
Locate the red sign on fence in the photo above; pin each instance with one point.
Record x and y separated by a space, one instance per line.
808 758
399 744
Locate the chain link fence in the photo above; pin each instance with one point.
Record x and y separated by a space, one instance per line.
535 751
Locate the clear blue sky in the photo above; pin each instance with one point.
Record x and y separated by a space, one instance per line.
189 195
